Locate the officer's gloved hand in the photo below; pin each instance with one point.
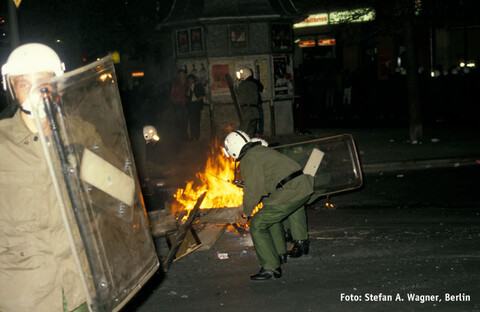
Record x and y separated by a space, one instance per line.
242 219
239 183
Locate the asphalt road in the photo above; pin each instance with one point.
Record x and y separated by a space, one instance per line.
407 241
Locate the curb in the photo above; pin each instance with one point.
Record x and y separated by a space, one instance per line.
420 164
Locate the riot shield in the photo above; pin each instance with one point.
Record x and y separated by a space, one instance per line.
90 160
339 169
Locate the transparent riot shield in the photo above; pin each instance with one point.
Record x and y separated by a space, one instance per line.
90 160
339 169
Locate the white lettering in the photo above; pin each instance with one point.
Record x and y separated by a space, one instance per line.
378 298
459 297
422 298
350 297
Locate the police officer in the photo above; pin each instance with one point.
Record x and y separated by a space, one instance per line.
278 182
295 227
247 96
37 267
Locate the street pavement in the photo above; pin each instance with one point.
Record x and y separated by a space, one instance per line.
406 241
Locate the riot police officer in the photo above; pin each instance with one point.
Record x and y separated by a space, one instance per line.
37 267
247 96
278 182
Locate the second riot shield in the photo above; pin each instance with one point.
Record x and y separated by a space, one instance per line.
338 165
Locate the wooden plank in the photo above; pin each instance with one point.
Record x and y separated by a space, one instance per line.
220 215
161 224
209 233
189 244
182 233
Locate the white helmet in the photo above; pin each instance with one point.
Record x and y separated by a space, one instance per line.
244 73
31 58
262 141
234 142
150 133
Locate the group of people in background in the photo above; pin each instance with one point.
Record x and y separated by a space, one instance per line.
187 98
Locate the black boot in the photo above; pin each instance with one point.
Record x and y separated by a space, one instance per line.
266 274
288 236
283 258
299 248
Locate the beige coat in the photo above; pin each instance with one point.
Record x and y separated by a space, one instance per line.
36 262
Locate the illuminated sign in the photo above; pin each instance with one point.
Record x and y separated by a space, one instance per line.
351 16
313 20
138 74
306 44
326 42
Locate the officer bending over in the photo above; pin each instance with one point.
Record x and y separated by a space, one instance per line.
278 182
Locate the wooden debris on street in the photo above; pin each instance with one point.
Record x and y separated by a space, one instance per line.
176 244
209 233
220 215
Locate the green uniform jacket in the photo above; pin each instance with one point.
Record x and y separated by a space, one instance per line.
36 262
247 93
262 168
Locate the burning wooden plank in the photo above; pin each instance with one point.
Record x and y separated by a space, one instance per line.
220 215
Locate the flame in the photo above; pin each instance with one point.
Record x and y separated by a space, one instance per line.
216 179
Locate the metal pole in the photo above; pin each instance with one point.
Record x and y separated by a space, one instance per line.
13 22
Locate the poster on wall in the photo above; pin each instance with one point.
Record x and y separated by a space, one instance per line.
238 36
183 44
198 68
196 39
219 83
280 76
281 37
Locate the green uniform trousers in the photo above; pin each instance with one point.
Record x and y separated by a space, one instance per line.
250 118
297 223
267 232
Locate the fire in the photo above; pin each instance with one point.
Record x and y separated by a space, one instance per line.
217 181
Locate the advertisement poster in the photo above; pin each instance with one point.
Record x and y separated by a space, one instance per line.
280 77
219 71
198 68
281 37
196 39
183 45
238 36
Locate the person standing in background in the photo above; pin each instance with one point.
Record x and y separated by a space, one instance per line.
195 93
179 98
247 95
